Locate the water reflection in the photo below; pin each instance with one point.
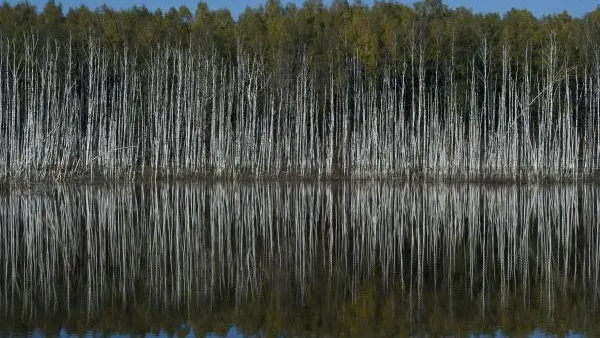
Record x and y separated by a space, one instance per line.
294 258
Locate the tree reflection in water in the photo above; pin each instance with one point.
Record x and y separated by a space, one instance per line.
298 257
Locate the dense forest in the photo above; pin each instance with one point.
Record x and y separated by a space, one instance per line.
345 90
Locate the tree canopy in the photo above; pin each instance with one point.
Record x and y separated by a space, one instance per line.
383 32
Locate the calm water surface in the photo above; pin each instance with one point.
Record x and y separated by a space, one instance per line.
300 258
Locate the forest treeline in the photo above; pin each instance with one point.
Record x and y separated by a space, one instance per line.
348 90
378 34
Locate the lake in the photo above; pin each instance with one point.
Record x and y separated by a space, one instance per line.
297 258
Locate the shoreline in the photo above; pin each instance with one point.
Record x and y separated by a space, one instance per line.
154 177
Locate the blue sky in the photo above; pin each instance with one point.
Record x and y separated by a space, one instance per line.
538 7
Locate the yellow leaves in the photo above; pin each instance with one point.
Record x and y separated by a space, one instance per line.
393 23
564 30
362 37
520 28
